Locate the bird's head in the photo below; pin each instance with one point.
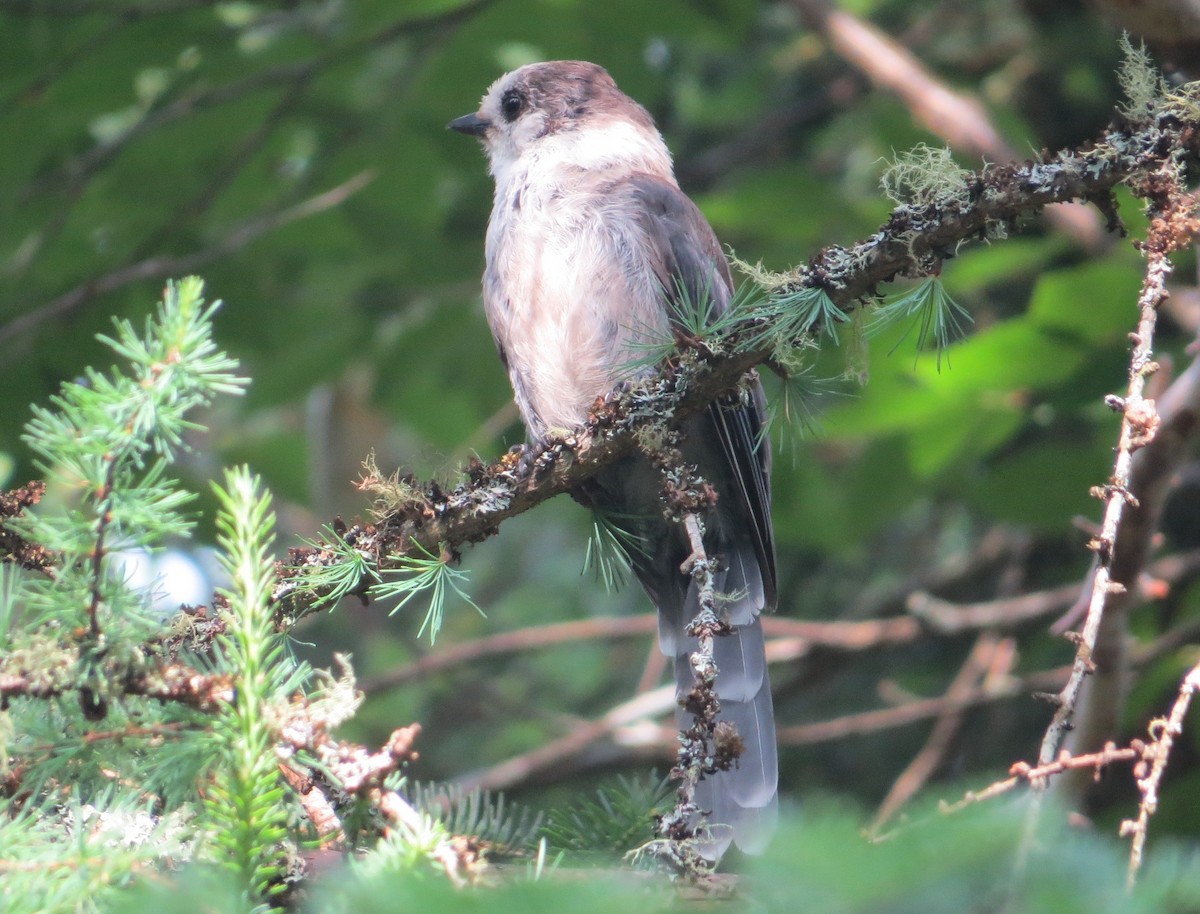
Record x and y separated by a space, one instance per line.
568 110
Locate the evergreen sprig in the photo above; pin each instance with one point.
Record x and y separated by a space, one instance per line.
429 575
928 307
102 785
246 802
108 440
789 316
346 574
618 819
504 827
610 544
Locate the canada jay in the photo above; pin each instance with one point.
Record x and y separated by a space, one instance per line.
592 250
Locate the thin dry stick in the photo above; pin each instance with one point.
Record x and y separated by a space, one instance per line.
1154 474
1024 773
556 756
1137 428
316 805
1139 421
863 723
694 760
926 762
1163 733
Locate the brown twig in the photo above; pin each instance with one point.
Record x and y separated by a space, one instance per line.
915 241
1154 758
789 639
1007 613
174 682
517 641
864 723
13 546
100 548
1139 423
978 663
1024 773
553 756
317 806
1153 475
1173 224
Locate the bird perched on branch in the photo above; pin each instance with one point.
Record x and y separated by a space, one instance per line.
594 253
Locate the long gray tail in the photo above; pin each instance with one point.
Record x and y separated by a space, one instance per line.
742 801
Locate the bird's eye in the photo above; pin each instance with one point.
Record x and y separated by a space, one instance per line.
511 104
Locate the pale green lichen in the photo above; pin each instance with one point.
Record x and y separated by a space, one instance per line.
1140 80
766 279
925 176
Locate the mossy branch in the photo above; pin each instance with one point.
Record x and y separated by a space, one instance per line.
914 242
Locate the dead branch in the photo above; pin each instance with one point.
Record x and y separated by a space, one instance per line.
553 756
915 775
1169 230
1150 768
914 241
1024 773
864 723
1153 474
13 546
1008 613
168 682
789 639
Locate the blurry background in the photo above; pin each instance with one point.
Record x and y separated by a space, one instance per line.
295 154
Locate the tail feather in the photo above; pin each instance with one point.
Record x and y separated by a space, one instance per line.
743 800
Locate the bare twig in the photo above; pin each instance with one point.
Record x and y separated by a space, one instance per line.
1007 612
1173 224
926 762
1157 752
1012 612
1153 475
789 639
1139 424
632 719
554 755
517 641
316 805
1024 773
867 722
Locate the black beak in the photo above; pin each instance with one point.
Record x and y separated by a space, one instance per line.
470 124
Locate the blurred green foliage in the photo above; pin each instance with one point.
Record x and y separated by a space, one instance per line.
818 863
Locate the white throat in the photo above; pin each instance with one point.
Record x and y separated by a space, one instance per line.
609 145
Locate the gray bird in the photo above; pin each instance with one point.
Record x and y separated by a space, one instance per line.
592 252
